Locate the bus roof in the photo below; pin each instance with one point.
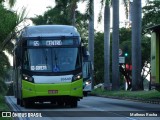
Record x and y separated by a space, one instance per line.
49 30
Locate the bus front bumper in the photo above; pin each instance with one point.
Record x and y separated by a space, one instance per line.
73 89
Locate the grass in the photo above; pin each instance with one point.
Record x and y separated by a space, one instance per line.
3 107
143 95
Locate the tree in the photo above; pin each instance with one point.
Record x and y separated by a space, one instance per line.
91 33
99 58
151 14
11 2
107 45
125 45
136 45
8 22
115 46
60 14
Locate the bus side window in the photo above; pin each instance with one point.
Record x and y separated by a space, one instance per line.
25 60
18 56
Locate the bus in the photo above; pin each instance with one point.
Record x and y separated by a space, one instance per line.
47 63
87 75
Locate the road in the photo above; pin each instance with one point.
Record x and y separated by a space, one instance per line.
91 107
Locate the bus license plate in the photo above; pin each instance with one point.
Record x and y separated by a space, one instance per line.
52 91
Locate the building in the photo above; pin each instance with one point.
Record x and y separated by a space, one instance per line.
155 56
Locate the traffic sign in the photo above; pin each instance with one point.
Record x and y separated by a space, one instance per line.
121 59
120 52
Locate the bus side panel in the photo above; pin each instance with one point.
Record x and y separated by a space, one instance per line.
77 88
28 89
73 89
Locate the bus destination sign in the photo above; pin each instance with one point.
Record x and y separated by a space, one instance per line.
51 42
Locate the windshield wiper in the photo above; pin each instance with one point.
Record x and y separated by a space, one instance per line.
45 54
56 68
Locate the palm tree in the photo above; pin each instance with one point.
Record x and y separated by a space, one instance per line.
73 11
7 25
136 45
91 33
11 2
107 45
115 46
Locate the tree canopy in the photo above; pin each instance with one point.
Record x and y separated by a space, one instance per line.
61 14
151 14
8 21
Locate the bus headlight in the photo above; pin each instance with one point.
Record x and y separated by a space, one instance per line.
77 77
88 82
28 78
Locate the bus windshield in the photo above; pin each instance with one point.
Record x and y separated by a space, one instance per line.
52 59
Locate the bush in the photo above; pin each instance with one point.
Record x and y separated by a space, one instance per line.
10 90
3 87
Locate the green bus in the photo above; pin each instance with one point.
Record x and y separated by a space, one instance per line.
87 75
47 63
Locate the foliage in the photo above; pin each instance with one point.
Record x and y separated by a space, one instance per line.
125 42
99 58
3 87
4 106
60 14
125 45
7 23
140 95
4 64
151 14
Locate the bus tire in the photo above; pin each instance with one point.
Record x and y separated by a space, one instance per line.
18 101
85 94
27 103
60 103
21 103
74 104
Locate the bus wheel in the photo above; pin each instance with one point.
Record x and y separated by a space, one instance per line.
21 103
18 101
74 103
27 103
60 103
85 94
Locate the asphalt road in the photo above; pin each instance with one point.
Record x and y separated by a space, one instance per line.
91 107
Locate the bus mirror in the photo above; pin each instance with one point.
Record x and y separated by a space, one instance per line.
84 51
18 52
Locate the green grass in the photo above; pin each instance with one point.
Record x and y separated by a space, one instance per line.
3 107
145 95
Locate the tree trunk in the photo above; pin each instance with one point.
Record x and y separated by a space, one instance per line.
115 46
107 46
91 36
136 45
73 12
